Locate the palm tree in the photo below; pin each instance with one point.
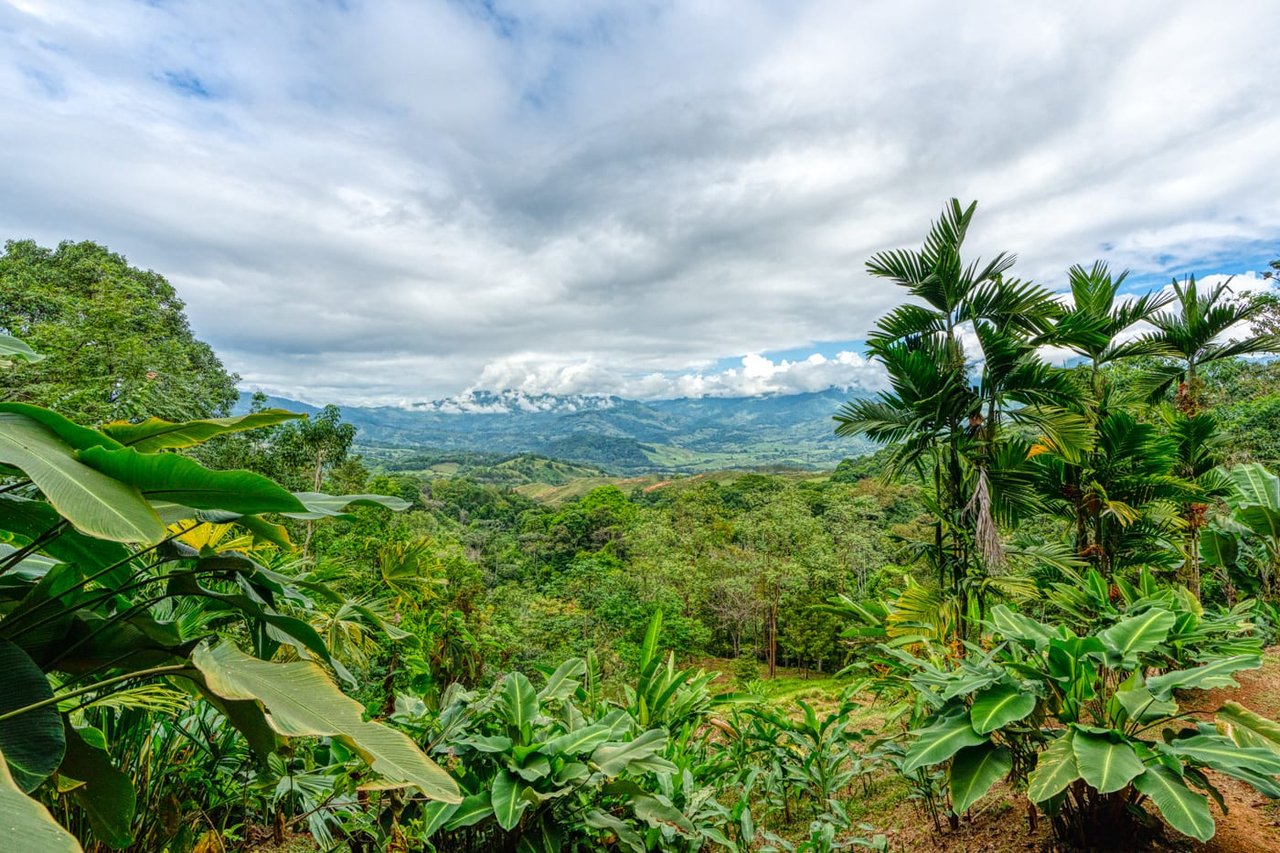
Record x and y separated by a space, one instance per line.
1116 494
1191 337
946 414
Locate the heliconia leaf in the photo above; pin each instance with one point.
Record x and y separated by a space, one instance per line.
519 700
939 741
576 742
316 505
996 707
612 758
1184 809
564 682
1140 633
508 800
170 477
25 824
155 434
1219 752
301 701
11 347
1105 764
32 742
1056 768
1206 677
974 770
95 503
1014 626
106 796
1247 728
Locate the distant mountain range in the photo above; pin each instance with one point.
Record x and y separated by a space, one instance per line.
610 433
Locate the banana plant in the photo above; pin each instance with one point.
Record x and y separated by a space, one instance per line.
94 584
1090 724
539 771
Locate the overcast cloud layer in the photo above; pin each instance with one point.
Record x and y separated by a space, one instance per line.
383 201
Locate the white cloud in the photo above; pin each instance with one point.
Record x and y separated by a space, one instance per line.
756 374
395 201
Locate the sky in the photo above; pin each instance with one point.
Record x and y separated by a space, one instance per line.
389 202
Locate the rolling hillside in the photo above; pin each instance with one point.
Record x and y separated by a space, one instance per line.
614 435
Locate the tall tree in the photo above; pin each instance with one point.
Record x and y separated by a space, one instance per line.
116 341
1194 335
948 410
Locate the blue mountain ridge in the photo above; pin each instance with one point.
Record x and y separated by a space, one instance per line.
617 435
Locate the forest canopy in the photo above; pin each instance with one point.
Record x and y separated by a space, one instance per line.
238 632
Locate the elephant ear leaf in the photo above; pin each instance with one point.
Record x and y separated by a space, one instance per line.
997 707
939 741
1105 764
106 796
974 770
301 701
1186 811
26 824
1056 768
155 434
1141 633
32 742
94 502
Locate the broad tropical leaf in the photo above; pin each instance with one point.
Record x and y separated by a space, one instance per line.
1105 764
1140 633
998 706
33 742
27 825
612 758
470 811
301 701
564 682
155 434
939 741
577 741
974 770
659 814
170 477
1218 752
519 700
11 348
93 502
106 796
1248 729
508 800
316 505
1205 677
1184 809
1014 626
1056 768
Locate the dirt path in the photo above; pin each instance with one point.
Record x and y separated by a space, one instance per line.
1252 822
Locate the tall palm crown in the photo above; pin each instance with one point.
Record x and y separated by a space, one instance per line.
946 409
1192 334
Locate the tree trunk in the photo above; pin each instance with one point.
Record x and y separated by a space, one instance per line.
773 639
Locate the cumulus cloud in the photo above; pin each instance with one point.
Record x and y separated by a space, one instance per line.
396 201
756 374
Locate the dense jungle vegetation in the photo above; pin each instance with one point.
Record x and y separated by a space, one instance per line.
227 633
